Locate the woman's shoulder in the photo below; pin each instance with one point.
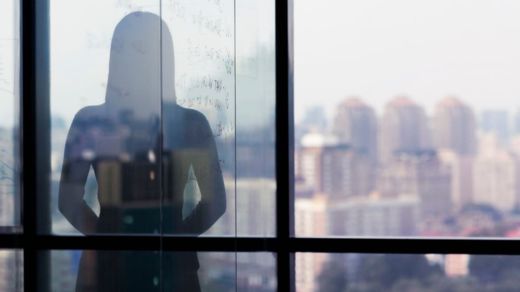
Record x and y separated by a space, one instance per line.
188 115
88 115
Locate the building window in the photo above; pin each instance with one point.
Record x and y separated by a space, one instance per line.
208 146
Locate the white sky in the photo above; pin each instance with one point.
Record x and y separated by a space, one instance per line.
8 40
81 32
374 49
377 49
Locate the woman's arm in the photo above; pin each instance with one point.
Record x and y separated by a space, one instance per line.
74 174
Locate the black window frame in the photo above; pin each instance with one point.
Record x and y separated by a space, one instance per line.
35 148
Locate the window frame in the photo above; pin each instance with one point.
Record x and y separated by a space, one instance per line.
35 149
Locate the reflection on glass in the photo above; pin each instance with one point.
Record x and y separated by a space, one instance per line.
64 267
256 272
141 163
11 271
9 109
85 52
255 90
407 126
406 272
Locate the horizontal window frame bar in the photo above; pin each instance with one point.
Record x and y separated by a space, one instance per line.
413 245
491 246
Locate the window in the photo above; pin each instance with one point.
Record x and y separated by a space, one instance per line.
405 129
100 177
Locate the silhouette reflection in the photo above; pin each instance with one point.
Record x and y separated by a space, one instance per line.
142 147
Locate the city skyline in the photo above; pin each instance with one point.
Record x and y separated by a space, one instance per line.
318 111
378 49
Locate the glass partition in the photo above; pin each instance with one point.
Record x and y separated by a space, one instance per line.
9 111
217 272
143 117
149 102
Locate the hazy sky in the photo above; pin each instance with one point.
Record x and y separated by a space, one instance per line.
81 33
377 49
374 49
8 41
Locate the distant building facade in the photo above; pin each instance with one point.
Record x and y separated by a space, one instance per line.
403 128
355 124
496 176
454 127
333 168
422 175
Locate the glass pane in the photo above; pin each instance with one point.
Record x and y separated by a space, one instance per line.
256 272
9 111
199 119
76 270
11 270
256 184
407 125
144 140
89 270
406 272
106 116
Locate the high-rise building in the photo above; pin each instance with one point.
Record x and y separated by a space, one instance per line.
461 169
456 265
496 176
374 216
355 124
454 127
333 168
311 214
314 120
496 122
251 207
454 136
422 175
403 128
516 123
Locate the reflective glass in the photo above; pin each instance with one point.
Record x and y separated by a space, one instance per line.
256 271
407 120
255 90
106 114
217 272
89 270
9 111
143 117
406 272
11 271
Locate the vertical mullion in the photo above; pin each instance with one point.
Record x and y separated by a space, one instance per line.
284 143
35 140
28 141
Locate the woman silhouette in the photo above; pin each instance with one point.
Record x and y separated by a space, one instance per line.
141 146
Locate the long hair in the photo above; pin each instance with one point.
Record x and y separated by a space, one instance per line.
141 70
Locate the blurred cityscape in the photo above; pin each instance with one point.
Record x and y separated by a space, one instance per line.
405 173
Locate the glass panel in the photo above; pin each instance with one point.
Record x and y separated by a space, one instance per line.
9 111
199 118
256 272
406 272
11 270
407 125
256 184
89 270
215 271
106 116
143 142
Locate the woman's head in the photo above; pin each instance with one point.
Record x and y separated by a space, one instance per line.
141 70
